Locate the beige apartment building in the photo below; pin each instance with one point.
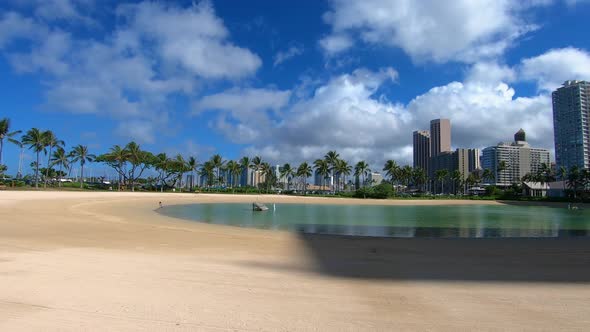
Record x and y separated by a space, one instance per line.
518 156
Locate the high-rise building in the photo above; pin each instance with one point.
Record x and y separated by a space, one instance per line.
520 136
422 149
519 159
440 136
375 178
247 178
467 161
571 117
320 180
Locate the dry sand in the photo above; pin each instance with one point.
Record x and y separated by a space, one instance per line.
106 261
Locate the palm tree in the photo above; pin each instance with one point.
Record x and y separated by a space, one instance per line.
80 153
61 158
440 175
235 169
256 165
361 169
163 166
562 173
138 159
21 147
502 165
544 174
208 170
419 176
269 175
245 165
405 175
35 139
304 172
181 168
585 179
218 163
117 157
51 141
343 169
332 158
322 167
6 133
192 166
574 179
487 175
287 172
391 169
471 180
456 177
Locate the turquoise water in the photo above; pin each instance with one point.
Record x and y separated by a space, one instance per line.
395 221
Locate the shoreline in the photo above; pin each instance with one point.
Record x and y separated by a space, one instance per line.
72 261
274 198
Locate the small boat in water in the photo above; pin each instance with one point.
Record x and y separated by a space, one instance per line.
259 207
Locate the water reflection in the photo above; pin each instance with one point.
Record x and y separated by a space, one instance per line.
440 232
474 221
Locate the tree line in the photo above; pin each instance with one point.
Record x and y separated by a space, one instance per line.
130 163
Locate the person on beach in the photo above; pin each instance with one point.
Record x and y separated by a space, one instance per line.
160 203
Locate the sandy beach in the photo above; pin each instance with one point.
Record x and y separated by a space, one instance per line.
82 261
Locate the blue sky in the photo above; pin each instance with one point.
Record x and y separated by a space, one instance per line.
286 80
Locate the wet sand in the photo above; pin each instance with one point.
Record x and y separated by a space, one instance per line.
72 261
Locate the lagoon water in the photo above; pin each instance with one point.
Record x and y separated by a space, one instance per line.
469 221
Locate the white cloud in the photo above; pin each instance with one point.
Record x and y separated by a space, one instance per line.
491 72
54 10
14 26
244 112
190 148
345 114
193 38
47 56
141 131
434 30
482 114
60 9
553 67
334 44
153 52
244 100
283 56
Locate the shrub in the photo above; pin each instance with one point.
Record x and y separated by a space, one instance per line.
380 191
493 191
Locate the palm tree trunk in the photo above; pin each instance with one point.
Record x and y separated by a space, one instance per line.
1 148
59 175
47 169
37 171
20 161
81 176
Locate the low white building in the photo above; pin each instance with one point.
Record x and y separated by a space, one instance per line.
535 189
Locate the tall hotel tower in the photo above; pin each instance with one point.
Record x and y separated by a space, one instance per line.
440 136
422 149
571 116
